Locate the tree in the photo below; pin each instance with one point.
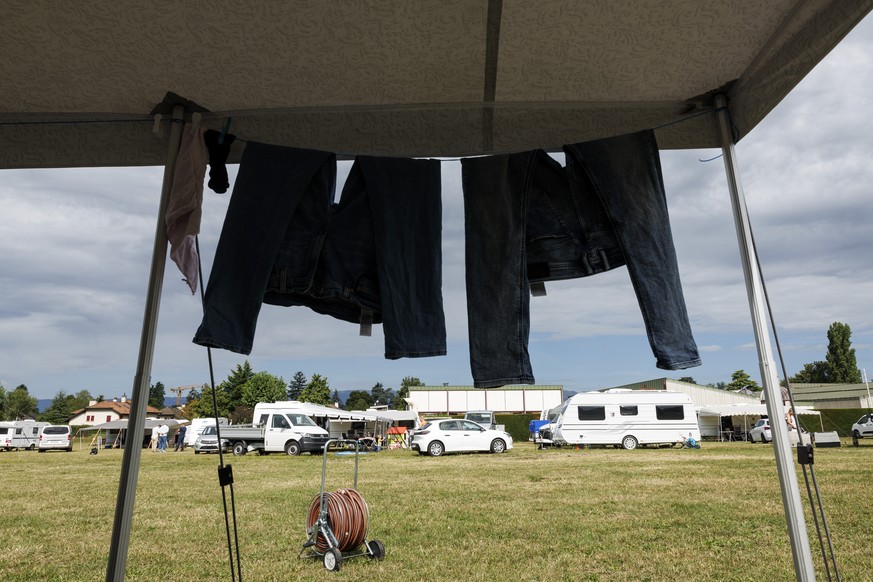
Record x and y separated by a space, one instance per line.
59 411
3 400
157 395
81 399
296 385
335 399
263 387
842 366
382 396
399 402
814 373
718 385
204 407
359 400
740 379
317 391
20 404
232 387
688 379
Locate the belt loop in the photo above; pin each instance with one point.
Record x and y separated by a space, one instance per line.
538 289
366 322
604 259
587 265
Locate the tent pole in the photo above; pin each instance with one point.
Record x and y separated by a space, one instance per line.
791 500
136 426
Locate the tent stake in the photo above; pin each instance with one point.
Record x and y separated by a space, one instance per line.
136 426
791 500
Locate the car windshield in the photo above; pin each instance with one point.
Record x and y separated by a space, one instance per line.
425 426
301 420
479 417
208 430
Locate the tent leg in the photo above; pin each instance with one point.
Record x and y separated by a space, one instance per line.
791 501
136 427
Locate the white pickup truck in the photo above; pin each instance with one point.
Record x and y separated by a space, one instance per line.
276 430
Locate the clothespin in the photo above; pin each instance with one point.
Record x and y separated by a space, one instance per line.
224 130
157 128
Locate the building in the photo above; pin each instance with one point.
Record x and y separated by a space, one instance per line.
830 396
700 395
506 399
107 411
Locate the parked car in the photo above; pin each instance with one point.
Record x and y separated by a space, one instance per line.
207 442
760 432
55 437
458 435
864 427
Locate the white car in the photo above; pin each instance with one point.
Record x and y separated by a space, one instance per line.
864 427
207 442
455 435
760 432
55 437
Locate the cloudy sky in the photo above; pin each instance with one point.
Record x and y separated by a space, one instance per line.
75 249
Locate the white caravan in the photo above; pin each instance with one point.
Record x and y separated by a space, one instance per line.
20 434
624 417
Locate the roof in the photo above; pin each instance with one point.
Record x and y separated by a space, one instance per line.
456 77
118 407
508 387
817 392
748 410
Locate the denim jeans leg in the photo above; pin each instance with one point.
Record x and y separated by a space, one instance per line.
406 213
271 183
498 293
626 174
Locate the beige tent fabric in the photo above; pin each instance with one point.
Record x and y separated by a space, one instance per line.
391 77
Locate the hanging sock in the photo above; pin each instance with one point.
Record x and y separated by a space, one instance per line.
218 145
184 206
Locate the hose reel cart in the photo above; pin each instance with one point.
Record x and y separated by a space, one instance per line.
337 523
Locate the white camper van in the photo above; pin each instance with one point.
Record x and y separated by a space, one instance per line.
624 417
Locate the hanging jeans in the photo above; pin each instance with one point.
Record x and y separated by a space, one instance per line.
373 258
529 220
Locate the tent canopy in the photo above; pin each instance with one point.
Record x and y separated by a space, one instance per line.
748 410
390 77
121 424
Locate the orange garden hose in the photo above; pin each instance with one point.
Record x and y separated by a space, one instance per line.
348 518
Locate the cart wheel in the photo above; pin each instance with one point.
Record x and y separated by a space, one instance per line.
333 559
376 549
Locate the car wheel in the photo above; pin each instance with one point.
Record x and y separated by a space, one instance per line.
42 450
292 448
239 448
856 434
629 443
32 447
435 449
333 559
376 549
196 452
498 446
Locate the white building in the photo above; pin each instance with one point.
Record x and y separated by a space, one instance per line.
107 411
506 399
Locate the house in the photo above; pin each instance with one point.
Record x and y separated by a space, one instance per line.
107 411
831 396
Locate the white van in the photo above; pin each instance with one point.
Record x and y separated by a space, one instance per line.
624 417
197 425
20 434
56 437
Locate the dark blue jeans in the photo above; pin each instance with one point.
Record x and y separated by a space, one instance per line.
373 258
530 220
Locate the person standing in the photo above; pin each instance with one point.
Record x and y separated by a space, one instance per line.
154 444
180 439
163 429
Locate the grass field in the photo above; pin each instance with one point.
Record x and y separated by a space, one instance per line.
597 514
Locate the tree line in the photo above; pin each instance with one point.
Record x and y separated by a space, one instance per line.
839 366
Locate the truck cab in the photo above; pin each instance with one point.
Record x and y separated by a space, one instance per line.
483 417
292 432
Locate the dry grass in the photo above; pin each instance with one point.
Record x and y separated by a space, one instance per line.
599 514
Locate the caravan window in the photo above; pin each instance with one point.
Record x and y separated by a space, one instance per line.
671 412
592 413
628 410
